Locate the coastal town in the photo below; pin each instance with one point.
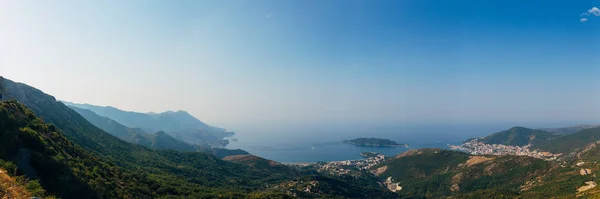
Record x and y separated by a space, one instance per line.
347 166
475 147
355 168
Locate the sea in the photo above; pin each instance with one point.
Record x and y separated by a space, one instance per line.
308 144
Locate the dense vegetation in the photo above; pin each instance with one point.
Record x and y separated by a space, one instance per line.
41 152
518 136
377 142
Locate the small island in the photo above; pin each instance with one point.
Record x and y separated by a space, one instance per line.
374 142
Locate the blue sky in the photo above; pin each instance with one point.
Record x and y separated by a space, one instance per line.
304 62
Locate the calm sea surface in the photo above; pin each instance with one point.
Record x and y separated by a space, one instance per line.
297 145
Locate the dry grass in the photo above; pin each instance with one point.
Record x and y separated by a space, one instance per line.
11 188
473 160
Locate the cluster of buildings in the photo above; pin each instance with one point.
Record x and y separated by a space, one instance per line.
479 148
389 183
346 166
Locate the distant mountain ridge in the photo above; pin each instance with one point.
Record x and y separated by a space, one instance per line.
178 124
158 140
570 129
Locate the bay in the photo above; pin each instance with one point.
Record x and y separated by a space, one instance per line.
304 144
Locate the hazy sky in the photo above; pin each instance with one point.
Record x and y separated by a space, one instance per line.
313 61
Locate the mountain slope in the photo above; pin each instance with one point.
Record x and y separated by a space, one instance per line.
179 124
186 173
518 136
158 140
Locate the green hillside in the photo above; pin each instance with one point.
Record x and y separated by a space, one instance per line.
518 136
41 152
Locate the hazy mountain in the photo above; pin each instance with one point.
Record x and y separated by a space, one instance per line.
518 136
158 140
180 124
569 130
108 125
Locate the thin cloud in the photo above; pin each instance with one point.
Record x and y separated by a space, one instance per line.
594 11
591 12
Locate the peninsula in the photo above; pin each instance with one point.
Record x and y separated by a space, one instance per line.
374 142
